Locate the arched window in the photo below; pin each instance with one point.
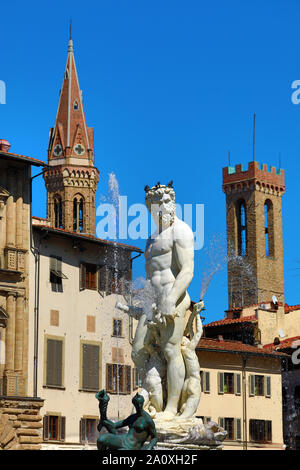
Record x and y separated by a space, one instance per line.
58 212
242 228
269 229
75 105
78 213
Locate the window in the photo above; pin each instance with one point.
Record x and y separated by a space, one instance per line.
228 382
260 430
54 362
260 385
58 212
88 430
269 229
118 378
233 428
88 277
205 419
242 229
91 366
91 276
78 213
205 381
75 105
54 428
117 327
229 427
56 274
136 380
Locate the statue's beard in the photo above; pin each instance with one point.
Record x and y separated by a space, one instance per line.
166 220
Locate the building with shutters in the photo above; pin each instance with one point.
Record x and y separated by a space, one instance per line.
258 324
242 391
84 342
79 342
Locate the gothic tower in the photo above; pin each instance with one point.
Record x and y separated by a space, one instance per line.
254 233
71 178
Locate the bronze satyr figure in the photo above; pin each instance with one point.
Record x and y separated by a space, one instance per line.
141 427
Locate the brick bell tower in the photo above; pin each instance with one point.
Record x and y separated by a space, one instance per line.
254 233
71 179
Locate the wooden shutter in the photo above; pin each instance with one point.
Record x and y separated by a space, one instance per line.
122 378
53 263
128 379
222 422
267 383
237 429
102 278
237 384
268 431
206 382
59 266
251 385
54 362
109 277
90 367
62 428
134 378
127 280
220 382
82 274
46 428
109 377
82 430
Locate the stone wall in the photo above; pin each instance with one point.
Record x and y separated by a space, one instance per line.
20 423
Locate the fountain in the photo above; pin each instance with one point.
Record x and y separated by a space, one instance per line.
164 345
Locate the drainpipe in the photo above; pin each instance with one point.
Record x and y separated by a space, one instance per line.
244 362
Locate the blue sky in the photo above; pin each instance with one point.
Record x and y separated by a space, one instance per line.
169 87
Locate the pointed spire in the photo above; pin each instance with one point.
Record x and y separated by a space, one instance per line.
70 139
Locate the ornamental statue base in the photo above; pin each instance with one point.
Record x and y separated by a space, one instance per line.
192 434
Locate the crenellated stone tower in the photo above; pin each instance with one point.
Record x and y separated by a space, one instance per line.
254 233
71 179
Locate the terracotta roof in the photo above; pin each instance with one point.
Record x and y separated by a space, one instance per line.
291 308
233 347
284 344
230 321
85 237
32 161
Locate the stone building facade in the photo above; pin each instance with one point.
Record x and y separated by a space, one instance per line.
254 233
15 194
20 420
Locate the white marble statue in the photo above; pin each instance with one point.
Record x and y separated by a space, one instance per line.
164 345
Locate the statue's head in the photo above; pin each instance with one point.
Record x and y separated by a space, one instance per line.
160 201
138 402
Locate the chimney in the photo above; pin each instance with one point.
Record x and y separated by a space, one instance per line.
4 145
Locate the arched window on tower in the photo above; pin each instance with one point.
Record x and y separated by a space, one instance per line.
269 229
58 222
78 204
75 105
242 229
